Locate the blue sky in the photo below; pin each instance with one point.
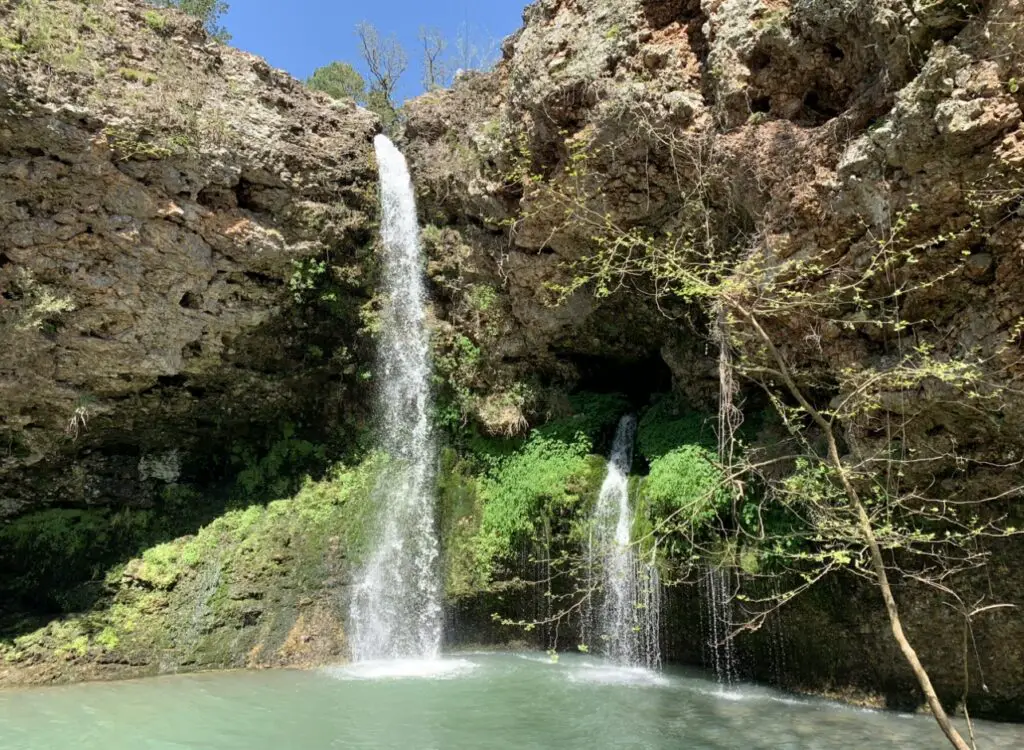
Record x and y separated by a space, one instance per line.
301 35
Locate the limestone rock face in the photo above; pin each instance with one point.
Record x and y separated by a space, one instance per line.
169 207
774 126
774 130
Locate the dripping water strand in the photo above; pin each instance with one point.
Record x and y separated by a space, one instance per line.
717 598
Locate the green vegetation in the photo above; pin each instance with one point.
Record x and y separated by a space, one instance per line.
524 494
38 306
140 76
190 598
45 555
132 145
55 35
209 11
544 479
460 516
340 81
687 484
155 20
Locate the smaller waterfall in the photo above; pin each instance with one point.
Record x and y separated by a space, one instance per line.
628 617
717 599
777 649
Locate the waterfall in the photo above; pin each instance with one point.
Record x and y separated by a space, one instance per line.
717 598
628 617
396 610
777 649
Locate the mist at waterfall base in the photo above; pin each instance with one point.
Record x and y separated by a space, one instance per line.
396 607
523 701
627 619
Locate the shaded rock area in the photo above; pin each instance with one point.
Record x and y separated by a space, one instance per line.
834 640
186 251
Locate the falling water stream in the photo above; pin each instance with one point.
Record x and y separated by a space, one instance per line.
716 595
629 612
396 609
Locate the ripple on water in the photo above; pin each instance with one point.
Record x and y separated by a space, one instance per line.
537 658
403 669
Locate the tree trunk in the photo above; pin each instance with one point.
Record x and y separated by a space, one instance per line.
877 562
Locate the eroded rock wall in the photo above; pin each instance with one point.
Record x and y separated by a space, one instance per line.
171 210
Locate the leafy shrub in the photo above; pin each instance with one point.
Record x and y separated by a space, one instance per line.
686 482
591 415
545 477
44 556
280 471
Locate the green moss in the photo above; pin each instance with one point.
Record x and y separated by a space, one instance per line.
78 647
161 566
138 76
108 639
461 515
154 20
210 598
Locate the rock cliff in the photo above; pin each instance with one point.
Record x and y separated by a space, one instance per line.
168 205
185 257
187 270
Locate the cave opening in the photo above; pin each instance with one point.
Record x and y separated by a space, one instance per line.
638 379
761 104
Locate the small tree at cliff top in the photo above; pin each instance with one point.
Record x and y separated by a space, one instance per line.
385 58
436 71
858 491
210 11
340 81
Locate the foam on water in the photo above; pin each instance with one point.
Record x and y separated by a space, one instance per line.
611 674
404 669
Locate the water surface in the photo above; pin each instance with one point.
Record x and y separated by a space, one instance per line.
464 702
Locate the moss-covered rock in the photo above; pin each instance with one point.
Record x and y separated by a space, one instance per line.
264 585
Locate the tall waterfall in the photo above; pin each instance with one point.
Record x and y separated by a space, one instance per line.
628 617
396 610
